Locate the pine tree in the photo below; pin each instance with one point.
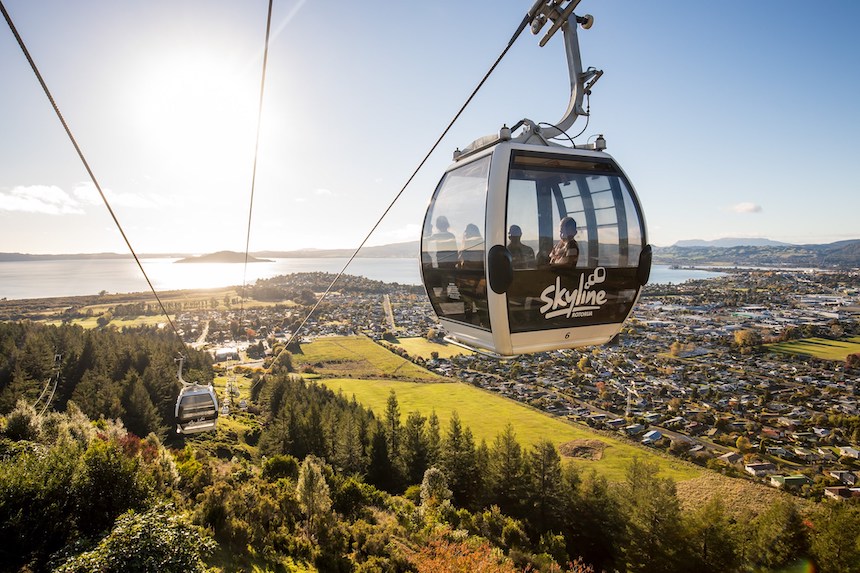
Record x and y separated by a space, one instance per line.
141 415
460 463
348 454
434 439
506 477
712 539
416 454
780 538
313 493
545 478
654 539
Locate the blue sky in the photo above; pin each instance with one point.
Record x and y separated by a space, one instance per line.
731 119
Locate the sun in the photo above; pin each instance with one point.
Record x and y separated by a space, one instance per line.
196 106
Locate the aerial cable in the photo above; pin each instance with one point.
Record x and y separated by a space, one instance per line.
256 154
86 165
55 378
526 20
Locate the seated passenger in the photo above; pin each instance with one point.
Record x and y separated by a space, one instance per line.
472 255
522 256
445 243
565 253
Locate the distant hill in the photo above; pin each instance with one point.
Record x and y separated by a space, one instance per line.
394 250
731 242
223 257
842 254
24 257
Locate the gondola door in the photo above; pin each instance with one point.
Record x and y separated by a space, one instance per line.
577 240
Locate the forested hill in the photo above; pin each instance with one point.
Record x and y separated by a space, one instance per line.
842 254
223 257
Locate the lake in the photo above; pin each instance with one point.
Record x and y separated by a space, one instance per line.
54 278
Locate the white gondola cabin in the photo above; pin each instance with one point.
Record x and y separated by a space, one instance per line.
529 245
506 289
196 407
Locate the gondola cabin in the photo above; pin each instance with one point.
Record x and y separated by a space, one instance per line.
196 409
528 247
196 406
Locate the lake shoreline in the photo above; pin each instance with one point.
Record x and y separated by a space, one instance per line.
60 279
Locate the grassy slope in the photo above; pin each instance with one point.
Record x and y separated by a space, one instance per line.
424 348
356 365
487 414
358 357
819 347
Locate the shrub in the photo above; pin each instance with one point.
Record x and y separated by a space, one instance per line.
155 540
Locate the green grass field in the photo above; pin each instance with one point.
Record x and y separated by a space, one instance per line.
358 357
419 346
487 414
120 323
819 347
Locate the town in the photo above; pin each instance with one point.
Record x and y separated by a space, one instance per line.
697 371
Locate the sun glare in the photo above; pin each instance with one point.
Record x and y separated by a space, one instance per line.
195 106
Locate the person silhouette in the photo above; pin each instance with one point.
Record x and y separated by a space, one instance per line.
446 243
522 256
565 253
472 255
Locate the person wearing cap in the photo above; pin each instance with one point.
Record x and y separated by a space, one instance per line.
522 256
565 253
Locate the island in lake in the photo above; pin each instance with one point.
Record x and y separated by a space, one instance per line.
223 257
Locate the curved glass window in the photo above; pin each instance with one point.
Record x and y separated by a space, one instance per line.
452 245
580 235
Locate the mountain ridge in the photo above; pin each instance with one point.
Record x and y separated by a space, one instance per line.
731 242
842 254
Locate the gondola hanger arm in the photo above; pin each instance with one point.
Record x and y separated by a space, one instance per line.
561 14
180 360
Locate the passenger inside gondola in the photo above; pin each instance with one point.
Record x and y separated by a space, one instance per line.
471 283
565 253
522 256
445 243
472 255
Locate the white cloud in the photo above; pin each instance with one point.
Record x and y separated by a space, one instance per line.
323 193
747 207
88 193
45 199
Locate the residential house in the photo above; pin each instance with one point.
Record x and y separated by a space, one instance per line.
760 469
844 476
842 493
651 437
634 429
805 455
731 458
790 482
849 451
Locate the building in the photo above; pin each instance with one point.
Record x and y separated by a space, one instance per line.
790 482
651 437
760 469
